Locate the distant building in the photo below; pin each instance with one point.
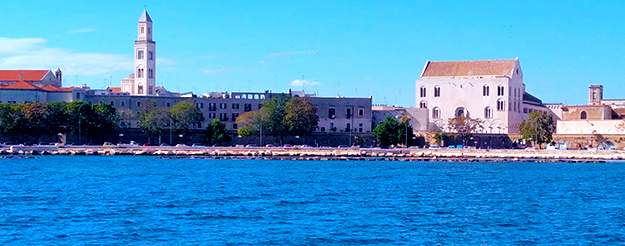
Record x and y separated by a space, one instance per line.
142 81
38 78
418 116
490 90
600 116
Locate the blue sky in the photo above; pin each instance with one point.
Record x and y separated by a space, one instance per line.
355 48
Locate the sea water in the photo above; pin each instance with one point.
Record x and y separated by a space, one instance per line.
101 200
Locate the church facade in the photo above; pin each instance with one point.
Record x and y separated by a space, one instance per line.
490 90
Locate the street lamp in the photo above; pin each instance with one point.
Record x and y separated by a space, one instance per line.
181 135
121 137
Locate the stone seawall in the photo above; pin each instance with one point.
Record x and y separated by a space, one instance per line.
327 154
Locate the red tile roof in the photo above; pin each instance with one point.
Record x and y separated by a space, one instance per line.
469 68
54 88
27 75
115 89
21 85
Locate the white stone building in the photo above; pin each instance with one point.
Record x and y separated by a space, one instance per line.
490 90
142 81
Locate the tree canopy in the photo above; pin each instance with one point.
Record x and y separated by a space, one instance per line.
391 132
465 126
185 115
216 133
301 116
537 127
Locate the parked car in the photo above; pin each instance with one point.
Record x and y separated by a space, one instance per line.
287 146
251 146
343 147
108 144
197 145
164 145
181 145
434 147
270 145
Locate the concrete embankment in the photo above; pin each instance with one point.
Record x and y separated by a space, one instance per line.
327 154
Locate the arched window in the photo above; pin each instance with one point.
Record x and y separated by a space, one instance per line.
437 91
423 104
422 91
501 105
500 90
485 90
436 113
460 111
583 115
488 113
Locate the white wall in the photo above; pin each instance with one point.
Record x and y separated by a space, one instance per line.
588 127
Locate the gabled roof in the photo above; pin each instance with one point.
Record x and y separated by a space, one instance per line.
21 85
468 68
145 17
27 75
54 88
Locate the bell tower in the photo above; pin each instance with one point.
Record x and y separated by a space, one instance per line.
595 94
145 58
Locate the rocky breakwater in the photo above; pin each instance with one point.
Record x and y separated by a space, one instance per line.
326 153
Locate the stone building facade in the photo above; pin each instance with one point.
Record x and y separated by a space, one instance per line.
490 90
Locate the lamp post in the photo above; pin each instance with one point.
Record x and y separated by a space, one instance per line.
121 137
261 132
181 135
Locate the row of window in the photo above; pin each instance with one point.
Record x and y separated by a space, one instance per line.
485 91
488 111
423 91
140 72
348 113
149 30
213 106
348 128
140 55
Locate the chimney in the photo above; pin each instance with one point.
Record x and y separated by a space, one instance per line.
20 77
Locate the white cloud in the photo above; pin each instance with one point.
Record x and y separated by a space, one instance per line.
33 53
209 71
303 82
82 30
292 53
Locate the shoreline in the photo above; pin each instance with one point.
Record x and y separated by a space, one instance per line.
316 154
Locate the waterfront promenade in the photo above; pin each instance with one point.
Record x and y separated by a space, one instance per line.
311 153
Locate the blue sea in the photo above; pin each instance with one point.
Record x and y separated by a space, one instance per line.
126 200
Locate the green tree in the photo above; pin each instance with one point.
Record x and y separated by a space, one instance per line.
465 126
57 118
34 116
154 121
301 116
537 127
272 115
185 115
249 124
12 119
216 132
125 116
389 132
105 119
80 115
